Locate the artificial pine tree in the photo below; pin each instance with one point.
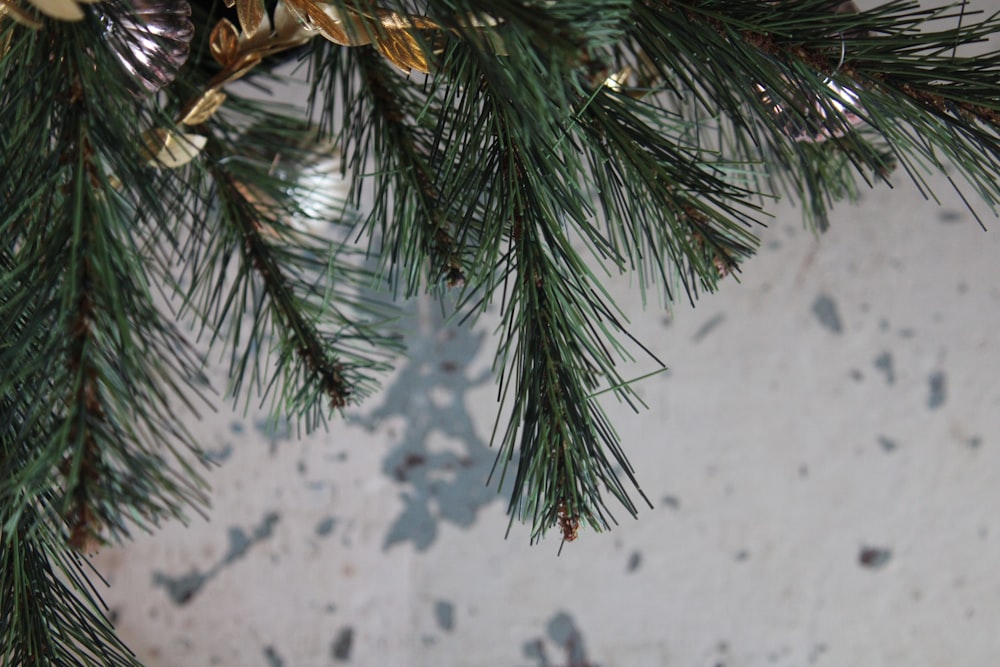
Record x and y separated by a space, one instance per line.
507 152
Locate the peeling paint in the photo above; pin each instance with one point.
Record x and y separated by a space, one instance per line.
183 588
272 657
874 558
562 632
340 648
221 454
273 429
884 363
887 444
710 325
937 390
634 561
444 615
673 502
825 310
325 526
437 486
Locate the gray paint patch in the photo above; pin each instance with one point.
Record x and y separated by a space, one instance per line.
273 429
240 543
221 454
887 444
673 502
708 327
342 644
884 363
562 632
974 442
325 527
634 561
444 615
272 657
874 557
825 310
182 589
937 390
437 486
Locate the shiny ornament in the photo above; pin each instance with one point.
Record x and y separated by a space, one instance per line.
152 39
811 118
808 117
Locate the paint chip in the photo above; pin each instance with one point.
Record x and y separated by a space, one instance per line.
707 328
884 363
874 557
340 649
325 527
937 390
181 589
887 444
444 615
272 657
634 561
673 502
825 310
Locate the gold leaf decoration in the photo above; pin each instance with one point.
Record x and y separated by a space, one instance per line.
396 39
165 148
224 42
346 29
62 10
288 26
203 107
400 38
19 16
252 17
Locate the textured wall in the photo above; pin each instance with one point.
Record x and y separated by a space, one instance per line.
823 455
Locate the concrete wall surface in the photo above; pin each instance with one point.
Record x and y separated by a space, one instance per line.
823 455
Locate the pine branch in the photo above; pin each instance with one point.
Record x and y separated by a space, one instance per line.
555 353
643 176
49 614
108 378
291 293
559 338
902 77
407 155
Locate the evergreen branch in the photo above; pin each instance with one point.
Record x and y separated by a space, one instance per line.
92 402
930 106
109 365
742 104
49 614
406 160
560 336
672 214
562 435
304 302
